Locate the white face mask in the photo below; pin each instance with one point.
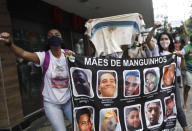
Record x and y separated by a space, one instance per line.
177 38
165 44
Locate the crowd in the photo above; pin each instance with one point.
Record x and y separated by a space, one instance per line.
55 79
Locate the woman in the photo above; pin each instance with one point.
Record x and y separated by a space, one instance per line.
163 47
55 87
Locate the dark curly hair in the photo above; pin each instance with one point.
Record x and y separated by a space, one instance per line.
82 112
171 46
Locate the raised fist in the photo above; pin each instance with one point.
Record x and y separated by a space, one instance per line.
157 24
5 38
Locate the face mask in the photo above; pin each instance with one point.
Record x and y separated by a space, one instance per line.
177 38
134 44
165 44
54 41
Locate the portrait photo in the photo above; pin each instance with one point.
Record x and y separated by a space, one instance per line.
132 118
170 106
59 77
84 119
107 84
168 78
109 120
153 113
151 80
82 82
131 83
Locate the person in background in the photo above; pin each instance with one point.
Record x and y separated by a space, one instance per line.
150 43
187 54
182 70
55 82
163 47
136 52
178 46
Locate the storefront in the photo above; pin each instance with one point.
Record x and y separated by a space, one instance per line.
30 20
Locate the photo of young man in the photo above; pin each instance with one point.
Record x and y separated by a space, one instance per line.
107 84
84 119
170 106
151 80
81 79
131 83
133 121
153 113
168 76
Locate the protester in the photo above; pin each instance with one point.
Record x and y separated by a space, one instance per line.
107 84
81 82
132 83
55 82
163 47
151 81
181 71
151 43
133 119
83 117
187 52
178 46
153 113
136 52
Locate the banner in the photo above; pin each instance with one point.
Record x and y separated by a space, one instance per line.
108 34
123 94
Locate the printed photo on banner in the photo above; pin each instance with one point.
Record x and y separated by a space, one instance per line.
151 80
59 76
82 82
153 113
109 120
131 83
168 78
170 106
132 118
107 84
84 118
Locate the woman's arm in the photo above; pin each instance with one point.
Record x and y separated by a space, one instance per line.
148 41
142 52
185 32
7 40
